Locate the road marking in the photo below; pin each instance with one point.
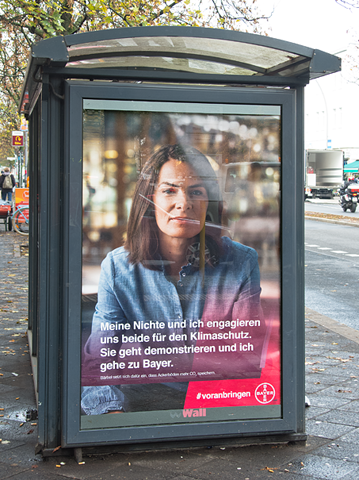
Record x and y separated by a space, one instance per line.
333 251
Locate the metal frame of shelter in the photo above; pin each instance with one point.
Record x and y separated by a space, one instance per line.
157 64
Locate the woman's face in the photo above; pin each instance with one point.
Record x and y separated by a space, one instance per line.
180 200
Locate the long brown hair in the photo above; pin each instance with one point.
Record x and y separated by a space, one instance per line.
142 231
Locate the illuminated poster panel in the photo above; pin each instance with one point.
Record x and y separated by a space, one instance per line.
181 263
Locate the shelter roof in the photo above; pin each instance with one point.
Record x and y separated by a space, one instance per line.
177 54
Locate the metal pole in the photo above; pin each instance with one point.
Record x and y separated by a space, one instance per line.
26 156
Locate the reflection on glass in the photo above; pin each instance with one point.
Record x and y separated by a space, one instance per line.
180 326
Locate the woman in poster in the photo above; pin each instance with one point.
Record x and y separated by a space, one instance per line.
178 302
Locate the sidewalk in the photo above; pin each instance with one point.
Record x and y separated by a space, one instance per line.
331 452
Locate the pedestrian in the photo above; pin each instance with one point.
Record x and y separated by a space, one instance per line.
7 184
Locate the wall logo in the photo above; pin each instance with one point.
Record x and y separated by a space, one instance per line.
175 414
190 412
265 393
194 412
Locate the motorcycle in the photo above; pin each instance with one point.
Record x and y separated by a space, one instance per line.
349 197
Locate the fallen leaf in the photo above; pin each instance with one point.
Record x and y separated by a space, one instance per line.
269 469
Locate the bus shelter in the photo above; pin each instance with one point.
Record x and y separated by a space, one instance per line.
166 300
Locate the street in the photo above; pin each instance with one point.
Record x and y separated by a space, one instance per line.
328 206
332 270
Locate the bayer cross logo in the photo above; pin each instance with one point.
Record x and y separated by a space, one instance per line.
265 393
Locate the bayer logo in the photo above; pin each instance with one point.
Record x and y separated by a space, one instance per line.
265 393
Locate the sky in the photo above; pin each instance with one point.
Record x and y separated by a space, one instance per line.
327 26
320 24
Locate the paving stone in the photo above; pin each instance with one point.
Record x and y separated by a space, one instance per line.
323 379
352 406
345 451
340 417
352 436
319 400
323 468
345 392
8 471
327 430
107 467
343 370
35 474
312 412
312 388
182 477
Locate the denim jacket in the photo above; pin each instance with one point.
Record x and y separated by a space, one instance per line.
130 294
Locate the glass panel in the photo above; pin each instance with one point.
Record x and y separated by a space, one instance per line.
256 58
166 63
183 211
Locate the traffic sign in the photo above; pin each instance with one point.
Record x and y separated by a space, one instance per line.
17 139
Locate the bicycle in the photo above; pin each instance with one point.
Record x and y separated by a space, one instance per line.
20 220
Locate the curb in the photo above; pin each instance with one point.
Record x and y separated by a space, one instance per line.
330 220
333 325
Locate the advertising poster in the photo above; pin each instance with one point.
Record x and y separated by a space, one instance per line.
181 263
